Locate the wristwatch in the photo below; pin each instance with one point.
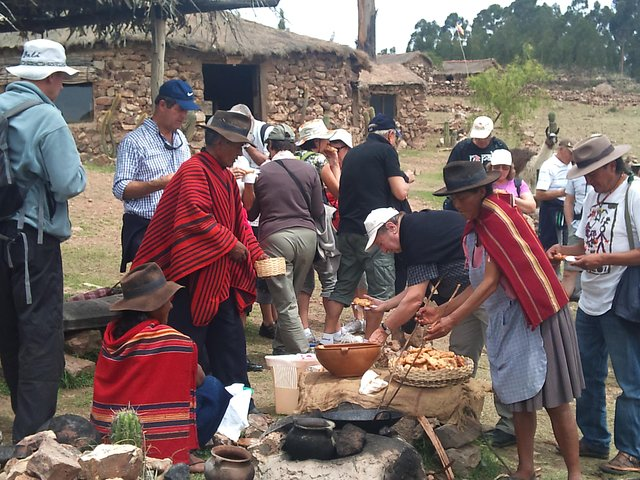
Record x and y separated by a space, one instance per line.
385 329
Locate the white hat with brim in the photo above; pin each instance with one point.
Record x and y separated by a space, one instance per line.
593 153
313 129
482 127
374 221
40 59
341 135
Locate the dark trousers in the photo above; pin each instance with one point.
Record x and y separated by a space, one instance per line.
551 227
31 335
222 348
133 230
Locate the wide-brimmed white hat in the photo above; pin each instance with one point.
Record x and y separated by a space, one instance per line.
41 58
313 129
341 135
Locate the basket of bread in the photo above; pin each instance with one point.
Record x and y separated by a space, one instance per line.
429 367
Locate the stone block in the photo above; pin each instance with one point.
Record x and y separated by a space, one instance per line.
464 459
54 461
86 341
452 436
112 461
75 366
350 440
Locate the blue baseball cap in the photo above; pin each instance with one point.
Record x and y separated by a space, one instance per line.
381 122
180 91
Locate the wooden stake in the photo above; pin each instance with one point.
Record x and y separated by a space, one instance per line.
444 459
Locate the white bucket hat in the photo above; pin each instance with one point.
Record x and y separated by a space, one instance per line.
313 129
41 58
341 135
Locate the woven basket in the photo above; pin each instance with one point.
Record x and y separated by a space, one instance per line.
271 267
420 377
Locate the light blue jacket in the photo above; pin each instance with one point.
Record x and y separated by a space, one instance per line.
44 159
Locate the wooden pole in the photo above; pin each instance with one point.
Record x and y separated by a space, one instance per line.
367 27
159 39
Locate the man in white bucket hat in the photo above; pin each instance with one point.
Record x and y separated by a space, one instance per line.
45 170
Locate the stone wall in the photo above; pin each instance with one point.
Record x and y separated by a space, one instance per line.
293 90
301 88
412 111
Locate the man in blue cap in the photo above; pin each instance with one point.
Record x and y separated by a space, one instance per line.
147 159
371 178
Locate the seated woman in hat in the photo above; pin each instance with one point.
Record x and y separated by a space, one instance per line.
531 338
153 368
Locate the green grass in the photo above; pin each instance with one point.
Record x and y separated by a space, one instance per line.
82 380
94 167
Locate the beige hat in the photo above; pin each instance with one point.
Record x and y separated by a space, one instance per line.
501 157
233 126
482 127
144 289
592 153
566 143
376 219
40 59
313 129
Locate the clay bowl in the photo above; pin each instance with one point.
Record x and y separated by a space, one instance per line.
347 359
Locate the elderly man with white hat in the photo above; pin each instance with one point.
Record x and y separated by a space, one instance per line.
45 171
608 246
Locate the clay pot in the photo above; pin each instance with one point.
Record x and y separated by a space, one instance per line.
347 359
310 438
229 463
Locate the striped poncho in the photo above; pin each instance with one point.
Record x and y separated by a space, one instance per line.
198 221
514 247
151 368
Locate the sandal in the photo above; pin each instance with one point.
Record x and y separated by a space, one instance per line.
196 464
621 463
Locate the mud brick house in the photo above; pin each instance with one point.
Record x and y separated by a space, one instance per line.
281 76
460 69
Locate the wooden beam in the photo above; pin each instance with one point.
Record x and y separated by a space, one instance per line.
159 40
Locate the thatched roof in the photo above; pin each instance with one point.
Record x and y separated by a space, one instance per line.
390 75
225 35
405 58
106 15
462 67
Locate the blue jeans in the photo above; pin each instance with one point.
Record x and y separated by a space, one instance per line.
600 336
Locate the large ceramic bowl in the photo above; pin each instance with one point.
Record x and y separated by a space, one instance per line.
347 359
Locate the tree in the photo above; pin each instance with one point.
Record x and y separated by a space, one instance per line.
425 37
513 92
624 25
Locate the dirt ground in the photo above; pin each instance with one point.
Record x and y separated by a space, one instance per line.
91 258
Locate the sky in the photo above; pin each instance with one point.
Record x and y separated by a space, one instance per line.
396 19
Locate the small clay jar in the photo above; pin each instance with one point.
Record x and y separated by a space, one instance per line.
229 463
311 438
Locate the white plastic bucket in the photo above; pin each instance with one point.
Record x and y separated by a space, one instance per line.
285 370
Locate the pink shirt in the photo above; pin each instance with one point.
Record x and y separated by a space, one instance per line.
510 187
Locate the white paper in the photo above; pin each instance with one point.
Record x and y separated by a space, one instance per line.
236 417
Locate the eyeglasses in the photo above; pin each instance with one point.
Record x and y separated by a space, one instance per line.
399 133
170 146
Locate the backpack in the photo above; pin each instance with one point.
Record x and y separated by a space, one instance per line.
11 197
518 183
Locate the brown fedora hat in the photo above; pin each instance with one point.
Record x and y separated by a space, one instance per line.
592 153
463 176
144 289
233 126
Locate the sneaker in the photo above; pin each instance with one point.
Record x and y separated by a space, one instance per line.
501 439
328 339
344 337
267 331
354 326
311 338
253 367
